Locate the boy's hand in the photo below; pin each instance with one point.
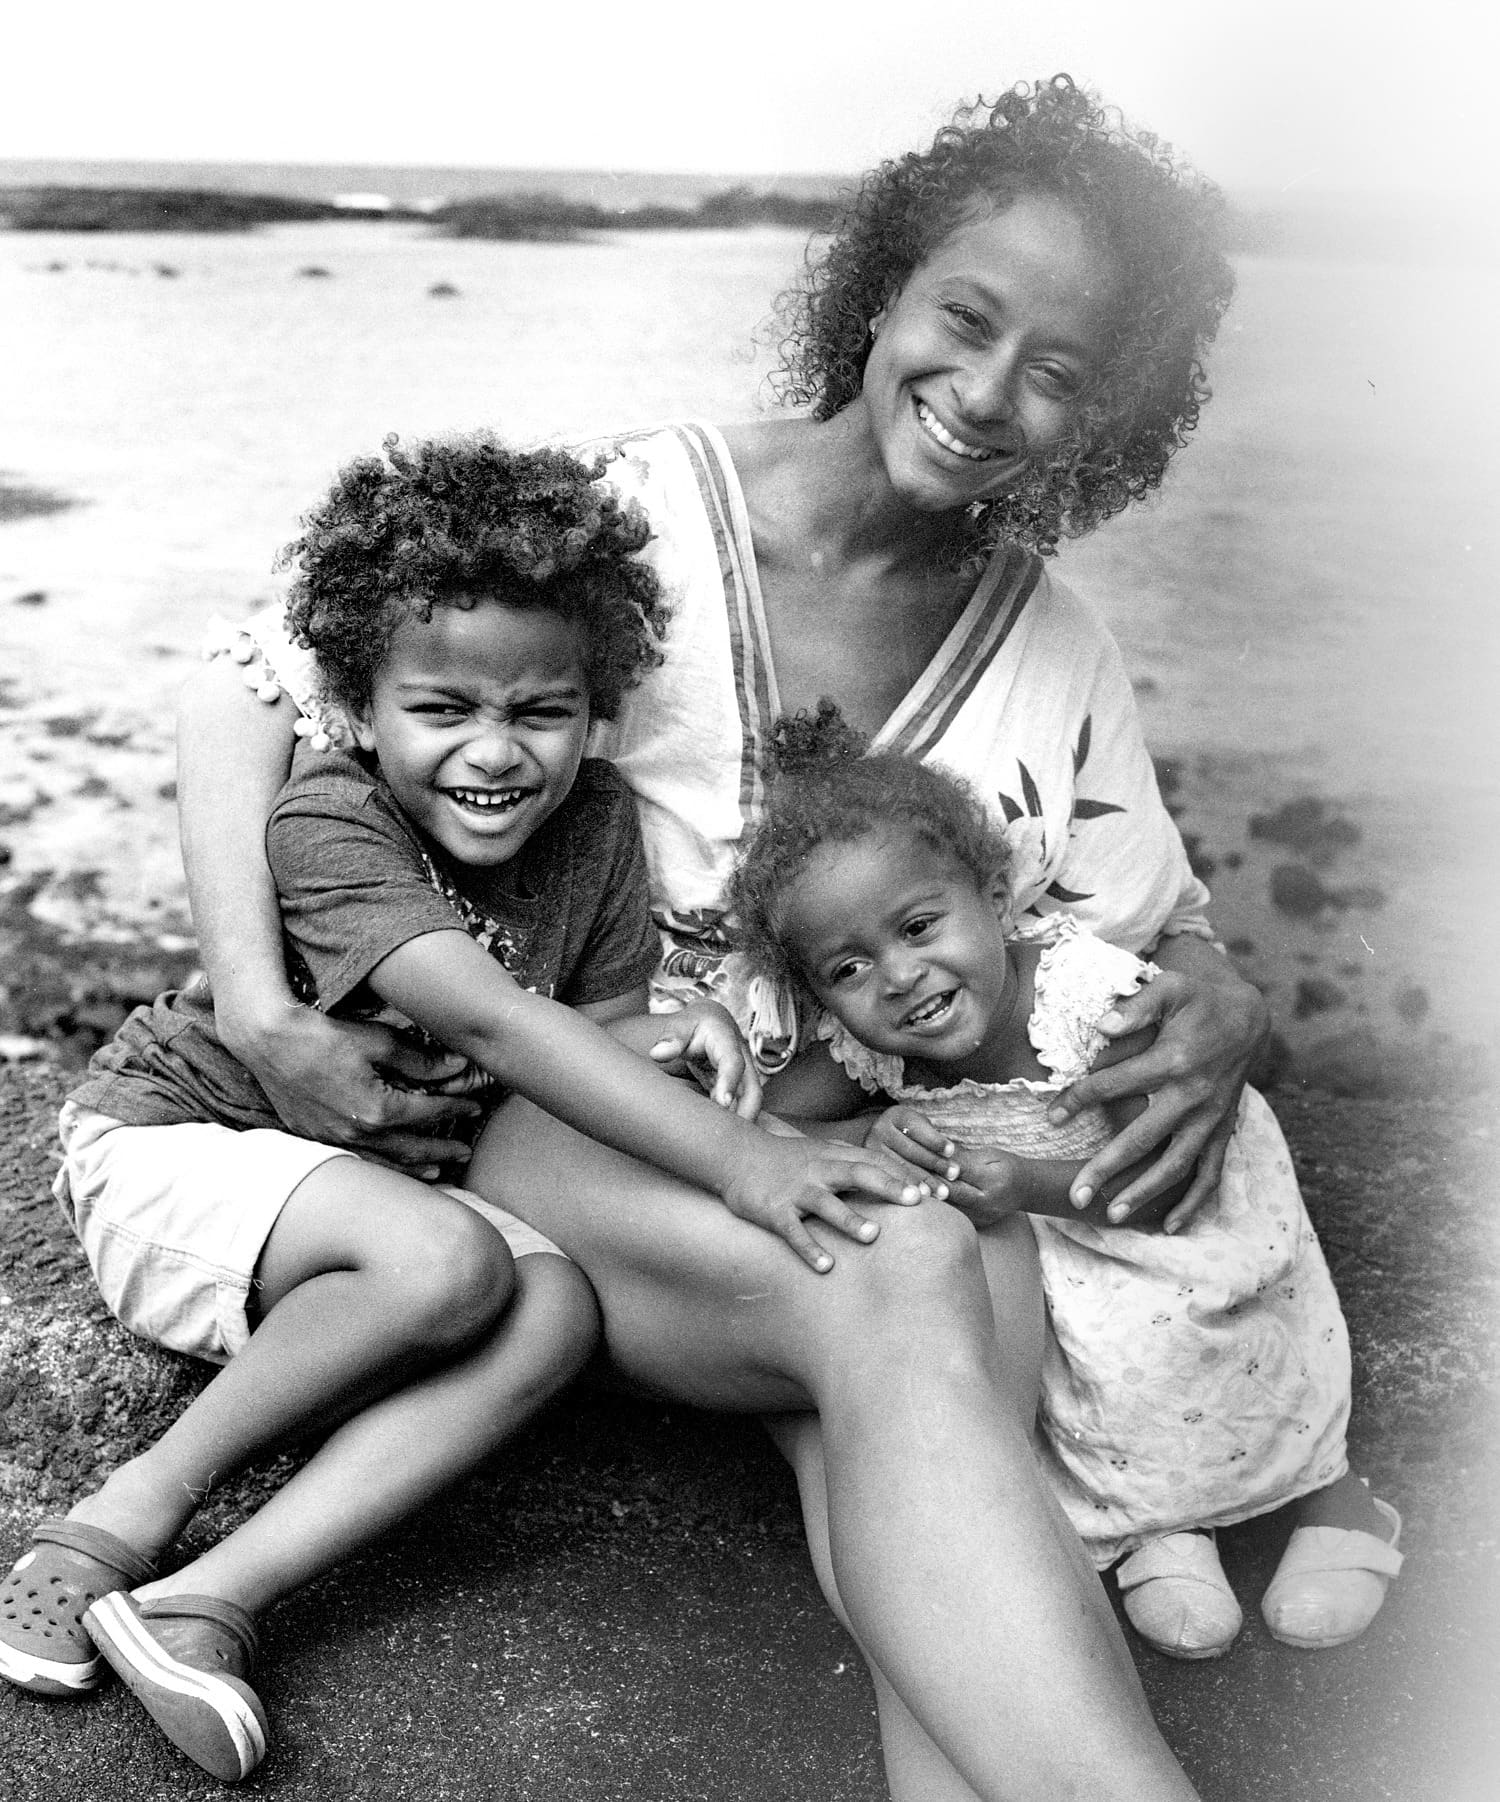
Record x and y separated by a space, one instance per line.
702 1041
912 1139
785 1180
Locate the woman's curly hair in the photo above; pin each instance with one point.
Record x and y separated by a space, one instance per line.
828 787
454 521
1160 225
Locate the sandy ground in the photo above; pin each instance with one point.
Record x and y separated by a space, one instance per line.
621 1607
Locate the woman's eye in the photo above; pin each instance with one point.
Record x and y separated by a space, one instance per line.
1062 384
965 319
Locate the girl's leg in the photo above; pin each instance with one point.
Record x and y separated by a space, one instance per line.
943 1543
366 1276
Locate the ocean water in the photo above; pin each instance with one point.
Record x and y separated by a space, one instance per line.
1307 607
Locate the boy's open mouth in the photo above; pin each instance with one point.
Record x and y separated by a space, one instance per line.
487 800
933 1011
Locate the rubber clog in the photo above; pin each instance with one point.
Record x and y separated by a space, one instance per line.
188 1660
1178 1598
44 1645
1330 1583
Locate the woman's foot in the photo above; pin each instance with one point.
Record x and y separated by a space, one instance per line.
1337 1566
188 1660
1178 1598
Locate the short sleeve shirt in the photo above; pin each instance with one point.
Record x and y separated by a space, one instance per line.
568 917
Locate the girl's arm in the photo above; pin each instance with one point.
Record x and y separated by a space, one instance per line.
1211 1025
567 1064
328 1080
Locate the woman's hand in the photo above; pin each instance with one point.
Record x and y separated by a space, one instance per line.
359 1085
702 1041
1210 1025
788 1179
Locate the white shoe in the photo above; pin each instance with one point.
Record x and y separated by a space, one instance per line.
1330 1583
1178 1598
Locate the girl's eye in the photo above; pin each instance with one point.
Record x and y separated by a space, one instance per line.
846 971
919 925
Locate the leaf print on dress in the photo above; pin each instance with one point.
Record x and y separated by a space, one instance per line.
1083 810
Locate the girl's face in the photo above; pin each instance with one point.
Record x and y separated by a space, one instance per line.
477 719
979 361
897 940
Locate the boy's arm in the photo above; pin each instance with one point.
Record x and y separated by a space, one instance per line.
567 1064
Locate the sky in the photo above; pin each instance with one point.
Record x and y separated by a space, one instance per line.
1262 94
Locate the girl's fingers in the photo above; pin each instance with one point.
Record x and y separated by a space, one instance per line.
843 1219
815 1256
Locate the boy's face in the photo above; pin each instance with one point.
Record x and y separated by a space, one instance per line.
896 940
477 719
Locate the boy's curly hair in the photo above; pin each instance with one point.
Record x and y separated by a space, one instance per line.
828 787
1161 226
454 521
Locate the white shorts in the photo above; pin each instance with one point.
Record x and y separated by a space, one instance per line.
173 1220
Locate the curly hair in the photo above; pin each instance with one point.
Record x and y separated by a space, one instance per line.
1160 225
451 522
828 787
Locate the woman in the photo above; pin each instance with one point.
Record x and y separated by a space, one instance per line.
1001 344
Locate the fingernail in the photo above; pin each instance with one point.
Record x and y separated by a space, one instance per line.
868 1230
948 1150
942 1192
952 1172
1111 1021
911 1193
925 1188
1118 1213
1174 1226
823 1263
1057 1115
1082 1197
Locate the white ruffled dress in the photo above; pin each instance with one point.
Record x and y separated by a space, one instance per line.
1190 1379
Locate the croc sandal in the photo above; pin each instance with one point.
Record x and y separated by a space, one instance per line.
1330 1583
1178 1598
187 1660
44 1645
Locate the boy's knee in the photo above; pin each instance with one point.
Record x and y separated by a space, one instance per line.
456 1281
925 1273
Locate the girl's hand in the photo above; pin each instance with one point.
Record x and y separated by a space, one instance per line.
788 1179
991 1186
702 1041
359 1085
912 1139
1210 1026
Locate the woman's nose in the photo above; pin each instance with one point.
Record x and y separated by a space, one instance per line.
985 388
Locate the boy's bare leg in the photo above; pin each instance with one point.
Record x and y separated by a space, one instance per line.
366 1277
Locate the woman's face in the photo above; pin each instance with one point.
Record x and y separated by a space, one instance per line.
980 360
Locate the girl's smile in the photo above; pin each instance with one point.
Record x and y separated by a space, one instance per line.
896 938
980 360
478 718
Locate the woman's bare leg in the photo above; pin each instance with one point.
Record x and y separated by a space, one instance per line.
942 1540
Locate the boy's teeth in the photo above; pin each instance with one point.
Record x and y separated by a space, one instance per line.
974 452
487 797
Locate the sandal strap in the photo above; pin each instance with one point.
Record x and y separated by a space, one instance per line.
228 1615
1190 1557
1315 1549
95 1543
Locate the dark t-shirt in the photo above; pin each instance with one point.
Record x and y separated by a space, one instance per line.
568 917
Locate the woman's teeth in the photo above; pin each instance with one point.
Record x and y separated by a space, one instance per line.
976 453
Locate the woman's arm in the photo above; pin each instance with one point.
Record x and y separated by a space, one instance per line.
328 1080
567 1064
1210 1026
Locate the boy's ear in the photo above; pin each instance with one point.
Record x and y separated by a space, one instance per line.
359 725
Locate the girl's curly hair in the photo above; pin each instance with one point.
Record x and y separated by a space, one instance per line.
451 522
1160 225
828 787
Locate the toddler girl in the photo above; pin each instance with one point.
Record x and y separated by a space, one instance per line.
878 884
